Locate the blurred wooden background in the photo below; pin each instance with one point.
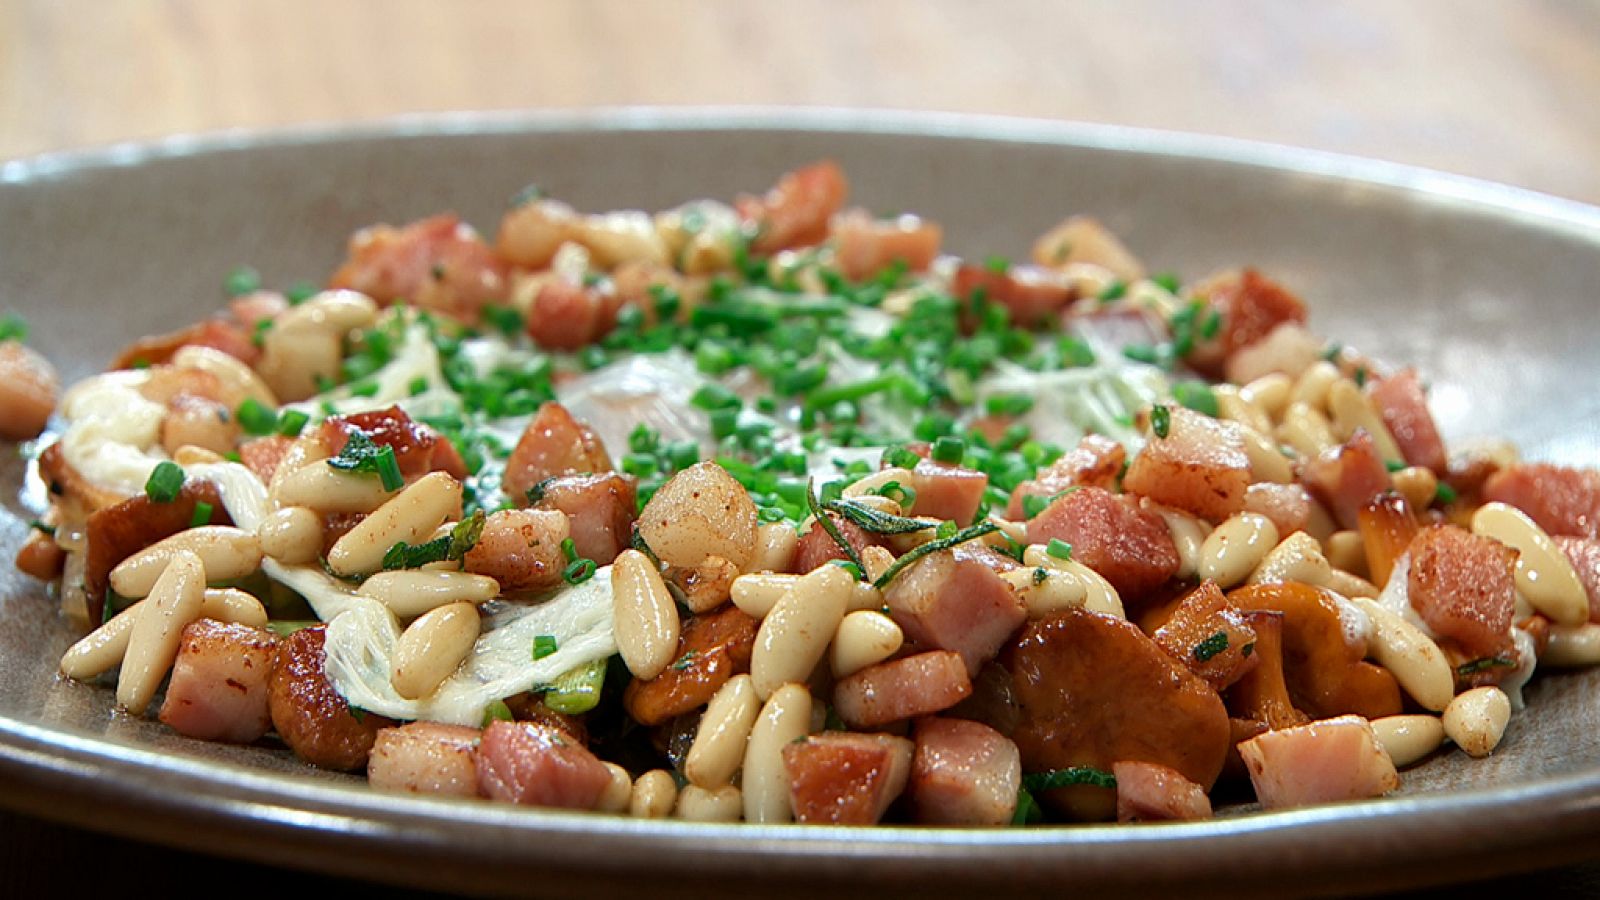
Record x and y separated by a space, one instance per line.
1500 89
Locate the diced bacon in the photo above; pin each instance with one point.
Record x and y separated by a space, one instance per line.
553 444
567 316
29 390
256 307
1031 295
947 492
426 758
1287 505
1096 462
1147 792
599 509
1347 477
309 714
817 547
119 531
838 778
417 448
1324 663
712 648
1130 547
1251 306
865 246
1404 408
1289 348
437 263
1584 553
536 765
218 334
964 773
68 486
1387 528
1330 761
956 600
1463 586
904 688
1199 467
263 455
219 685
1095 691
1211 638
1082 239
796 211
521 549
1562 500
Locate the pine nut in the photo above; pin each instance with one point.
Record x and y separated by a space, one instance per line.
795 634
619 791
1408 739
1312 387
719 744
1544 574
654 795
1297 557
306 449
330 312
756 593
1270 393
776 543
428 651
1410 655
321 487
414 592
1572 645
293 362
1188 535
863 639
1236 547
224 551
233 605
1267 462
765 782
878 560
238 379
1476 720
1349 585
1305 430
1346 550
645 618
697 804
1417 484
175 600
1066 578
1352 409
292 535
1233 407
411 516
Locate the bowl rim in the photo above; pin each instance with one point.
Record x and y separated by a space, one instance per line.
245 811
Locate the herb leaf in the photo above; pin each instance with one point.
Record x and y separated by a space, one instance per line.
827 524
875 521
934 546
360 454
1160 420
1060 778
1211 646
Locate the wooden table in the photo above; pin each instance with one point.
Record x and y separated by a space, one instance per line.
1499 90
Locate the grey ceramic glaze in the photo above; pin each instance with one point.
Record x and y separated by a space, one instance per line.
1487 289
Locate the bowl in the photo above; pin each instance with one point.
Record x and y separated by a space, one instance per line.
1487 289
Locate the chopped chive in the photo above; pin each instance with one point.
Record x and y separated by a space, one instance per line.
1059 549
1060 778
292 422
949 450
1444 494
1168 282
1161 420
505 319
543 645
901 458
497 711
569 549
1142 353
1211 646
1116 290
389 470
1034 504
255 418
165 481
1393 465
300 292
202 514
418 385
1198 396
715 396
578 571
241 281
13 327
